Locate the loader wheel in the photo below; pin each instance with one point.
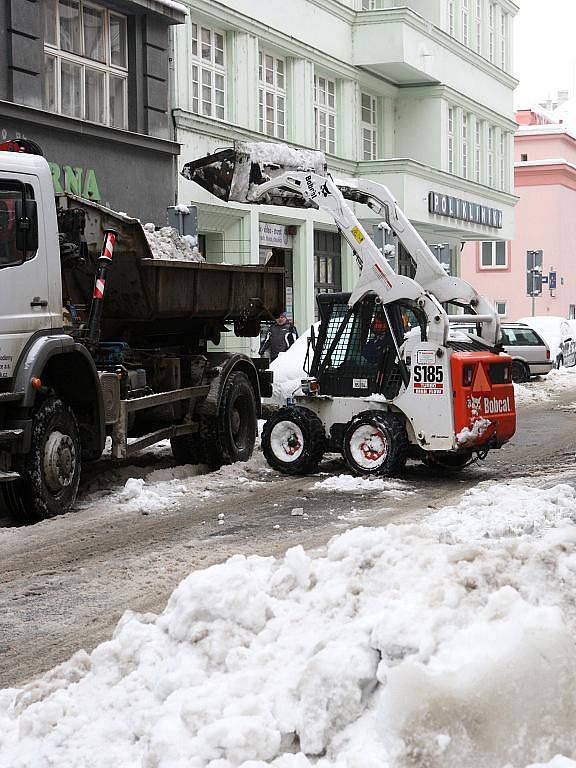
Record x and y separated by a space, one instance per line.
375 443
520 372
444 462
188 449
50 473
293 441
230 436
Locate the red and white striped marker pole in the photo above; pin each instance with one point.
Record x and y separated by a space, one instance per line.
104 266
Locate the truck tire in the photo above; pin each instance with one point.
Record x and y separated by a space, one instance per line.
375 443
230 436
294 441
50 473
188 449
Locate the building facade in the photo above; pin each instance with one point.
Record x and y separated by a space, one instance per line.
90 83
415 94
545 182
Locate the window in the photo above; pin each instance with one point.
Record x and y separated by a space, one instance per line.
491 142
85 62
10 195
492 32
503 162
478 150
572 312
520 337
478 36
503 40
493 255
272 95
451 19
465 124
500 307
523 158
327 278
368 126
325 113
450 139
208 72
368 5
465 22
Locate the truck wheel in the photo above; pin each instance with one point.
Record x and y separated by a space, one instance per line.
230 436
293 441
520 372
375 443
188 449
51 470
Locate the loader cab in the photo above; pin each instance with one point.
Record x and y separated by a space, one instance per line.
354 353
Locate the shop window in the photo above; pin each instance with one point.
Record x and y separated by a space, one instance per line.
85 62
369 126
325 113
493 255
500 307
272 95
208 72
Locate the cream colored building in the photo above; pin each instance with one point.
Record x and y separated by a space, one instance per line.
416 94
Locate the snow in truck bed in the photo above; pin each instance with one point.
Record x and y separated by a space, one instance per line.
447 644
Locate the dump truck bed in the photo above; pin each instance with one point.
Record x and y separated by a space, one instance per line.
143 289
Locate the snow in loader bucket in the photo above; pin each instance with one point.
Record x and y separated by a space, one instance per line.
233 174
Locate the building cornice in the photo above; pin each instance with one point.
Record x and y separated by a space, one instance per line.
545 173
74 126
440 91
435 176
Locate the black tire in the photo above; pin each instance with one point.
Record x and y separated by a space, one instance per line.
447 463
231 435
51 470
387 452
520 372
188 449
294 441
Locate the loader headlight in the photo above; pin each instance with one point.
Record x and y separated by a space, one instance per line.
467 375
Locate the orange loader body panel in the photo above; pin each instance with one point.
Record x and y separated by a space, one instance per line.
483 392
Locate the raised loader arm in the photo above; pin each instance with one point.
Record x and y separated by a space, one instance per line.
429 272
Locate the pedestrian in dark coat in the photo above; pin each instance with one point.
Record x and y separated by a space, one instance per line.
279 338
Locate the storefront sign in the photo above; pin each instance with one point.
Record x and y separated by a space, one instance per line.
464 210
76 181
274 235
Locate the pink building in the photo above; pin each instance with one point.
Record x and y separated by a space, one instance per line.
545 182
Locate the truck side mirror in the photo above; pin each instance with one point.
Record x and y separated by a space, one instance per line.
26 225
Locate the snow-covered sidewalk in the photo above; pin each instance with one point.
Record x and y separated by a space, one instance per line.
448 643
547 387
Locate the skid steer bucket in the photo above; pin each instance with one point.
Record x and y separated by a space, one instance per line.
235 173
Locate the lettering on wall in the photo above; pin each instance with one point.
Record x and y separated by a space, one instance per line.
76 181
464 210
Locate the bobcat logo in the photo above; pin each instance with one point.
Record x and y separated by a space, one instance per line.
473 404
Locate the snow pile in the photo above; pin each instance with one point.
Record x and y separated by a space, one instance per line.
167 243
350 484
288 369
289 158
470 435
546 388
446 644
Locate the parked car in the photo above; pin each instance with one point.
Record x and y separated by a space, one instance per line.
529 352
560 335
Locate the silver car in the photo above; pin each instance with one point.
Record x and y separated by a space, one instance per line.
529 352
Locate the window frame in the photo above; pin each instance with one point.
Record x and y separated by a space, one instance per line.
502 302
274 90
369 130
22 192
478 24
465 155
490 154
451 142
207 72
493 255
478 150
108 70
465 22
492 32
329 112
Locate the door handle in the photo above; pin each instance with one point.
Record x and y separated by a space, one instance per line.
38 302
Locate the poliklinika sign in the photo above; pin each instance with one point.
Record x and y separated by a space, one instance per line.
464 210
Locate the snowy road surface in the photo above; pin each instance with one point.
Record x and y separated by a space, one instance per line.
65 583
